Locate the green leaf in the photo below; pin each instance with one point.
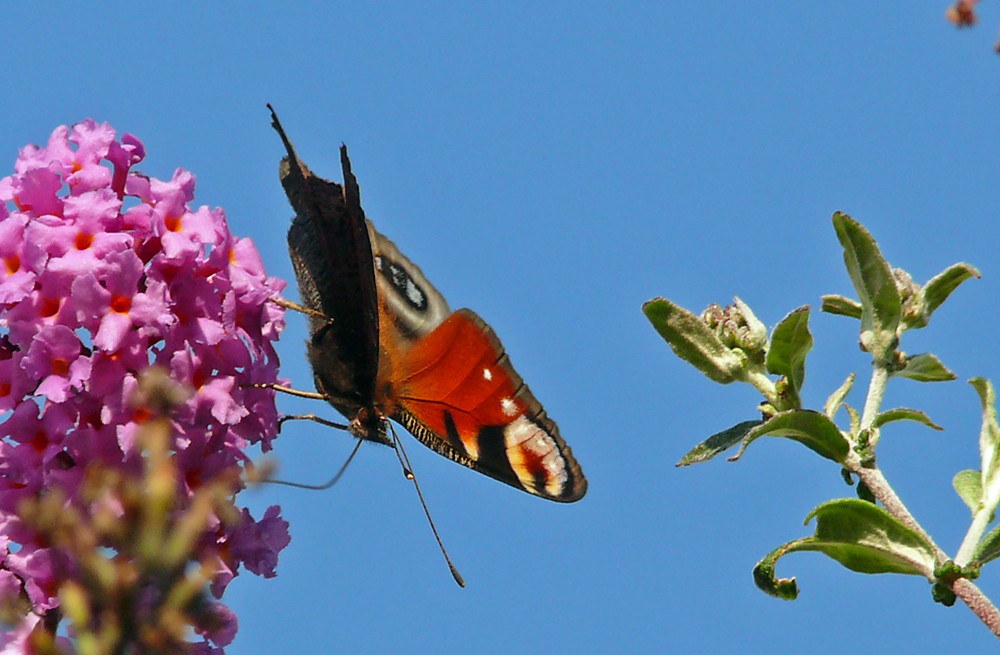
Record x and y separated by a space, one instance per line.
925 367
939 287
764 577
862 536
693 341
989 443
865 493
904 414
989 452
837 397
717 443
969 485
876 288
811 429
989 548
842 305
790 343
855 418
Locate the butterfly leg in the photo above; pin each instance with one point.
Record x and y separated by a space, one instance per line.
302 394
296 307
292 392
314 418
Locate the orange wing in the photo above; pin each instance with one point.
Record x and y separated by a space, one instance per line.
457 392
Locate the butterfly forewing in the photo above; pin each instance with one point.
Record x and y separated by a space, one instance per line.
458 393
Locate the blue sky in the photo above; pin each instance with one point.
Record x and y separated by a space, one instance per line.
552 168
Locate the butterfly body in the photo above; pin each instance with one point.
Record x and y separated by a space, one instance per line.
385 345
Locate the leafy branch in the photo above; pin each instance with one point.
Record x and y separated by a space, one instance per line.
875 533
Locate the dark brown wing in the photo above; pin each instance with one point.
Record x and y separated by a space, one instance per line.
332 256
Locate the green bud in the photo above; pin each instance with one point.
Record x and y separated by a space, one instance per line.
738 328
914 308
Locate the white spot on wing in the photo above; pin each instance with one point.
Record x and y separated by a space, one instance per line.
414 293
508 407
487 374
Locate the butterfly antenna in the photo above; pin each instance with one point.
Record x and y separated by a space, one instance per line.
404 461
319 487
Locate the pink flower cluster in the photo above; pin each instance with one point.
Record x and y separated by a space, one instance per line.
103 272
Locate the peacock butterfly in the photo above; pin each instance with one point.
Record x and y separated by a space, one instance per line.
385 345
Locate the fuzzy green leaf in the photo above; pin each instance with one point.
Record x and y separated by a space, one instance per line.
989 452
765 579
693 341
939 287
811 429
837 397
865 493
989 435
989 443
876 288
989 548
842 305
860 535
969 485
790 343
904 414
717 443
855 419
925 367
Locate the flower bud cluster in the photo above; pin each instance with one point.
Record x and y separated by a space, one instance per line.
738 328
104 272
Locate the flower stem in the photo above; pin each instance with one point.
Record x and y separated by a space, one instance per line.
885 494
873 478
762 383
873 403
980 521
978 602
964 588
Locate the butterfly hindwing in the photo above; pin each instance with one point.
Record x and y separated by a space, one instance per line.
457 392
413 307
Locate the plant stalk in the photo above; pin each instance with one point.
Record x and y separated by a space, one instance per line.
964 588
873 402
980 521
873 478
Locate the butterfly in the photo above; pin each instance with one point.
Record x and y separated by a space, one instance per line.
383 344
